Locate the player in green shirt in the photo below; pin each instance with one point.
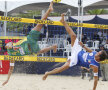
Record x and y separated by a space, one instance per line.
29 46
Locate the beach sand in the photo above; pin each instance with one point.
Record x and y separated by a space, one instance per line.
53 82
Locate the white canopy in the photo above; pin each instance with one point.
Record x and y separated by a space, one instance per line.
85 18
12 4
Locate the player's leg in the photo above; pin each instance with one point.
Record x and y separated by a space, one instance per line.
57 70
39 26
68 29
53 47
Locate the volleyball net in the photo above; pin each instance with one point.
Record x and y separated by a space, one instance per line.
53 32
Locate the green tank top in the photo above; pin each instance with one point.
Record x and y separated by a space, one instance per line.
21 51
32 39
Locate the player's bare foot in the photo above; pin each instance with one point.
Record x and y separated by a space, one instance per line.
45 76
62 18
54 48
51 6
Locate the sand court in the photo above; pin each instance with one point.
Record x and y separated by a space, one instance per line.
53 82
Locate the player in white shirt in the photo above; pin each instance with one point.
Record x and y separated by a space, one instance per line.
78 57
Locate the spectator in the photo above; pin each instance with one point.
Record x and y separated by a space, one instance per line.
24 29
104 41
101 47
107 38
102 66
69 39
107 41
43 32
1 27
103 73
84 38
105 33
29 28
100 33
96 36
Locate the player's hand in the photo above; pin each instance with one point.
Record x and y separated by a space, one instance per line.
15 48
5 82
80 43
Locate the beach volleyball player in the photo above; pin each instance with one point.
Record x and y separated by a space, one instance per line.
79 57
29 46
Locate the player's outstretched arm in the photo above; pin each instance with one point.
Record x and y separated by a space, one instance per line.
95 70
86 48
9 74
